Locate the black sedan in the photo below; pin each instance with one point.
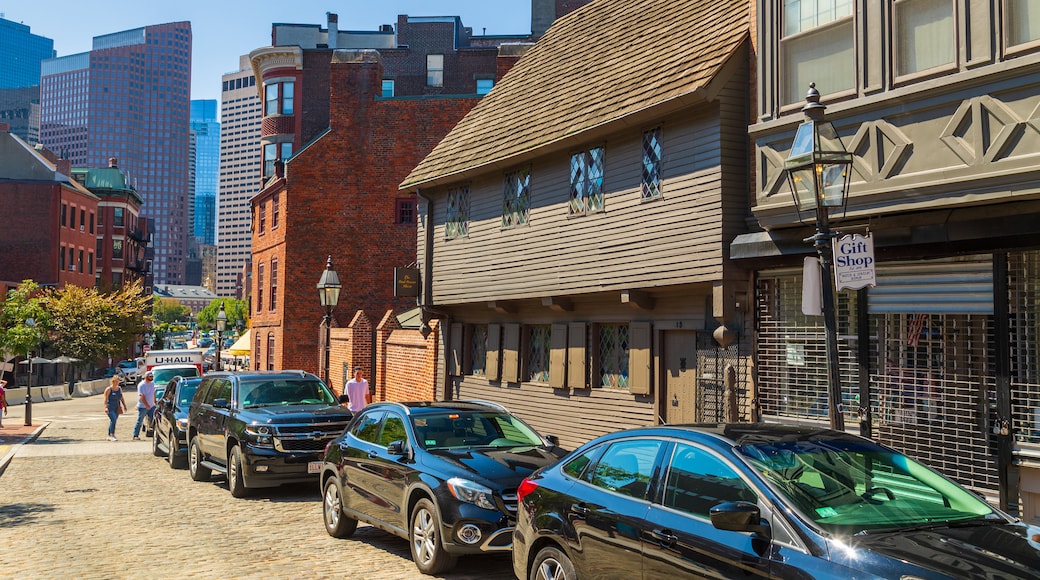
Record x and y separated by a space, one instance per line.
441 475
756 500
171 420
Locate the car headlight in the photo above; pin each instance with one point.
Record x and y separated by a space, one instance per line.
182 424
471 492
261 434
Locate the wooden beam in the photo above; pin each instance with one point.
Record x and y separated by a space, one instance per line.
503 307
557 303
637 299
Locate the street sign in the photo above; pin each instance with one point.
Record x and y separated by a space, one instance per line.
854 264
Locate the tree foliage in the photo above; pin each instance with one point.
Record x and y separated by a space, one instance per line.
235 309
17 335
169 310
91 325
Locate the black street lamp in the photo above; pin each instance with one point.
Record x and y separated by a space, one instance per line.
221 327
818 169
28 380
328 292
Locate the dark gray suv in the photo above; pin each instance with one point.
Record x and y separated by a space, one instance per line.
262 428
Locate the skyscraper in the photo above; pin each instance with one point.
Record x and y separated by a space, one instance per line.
239 171
129 98
20 78
205 127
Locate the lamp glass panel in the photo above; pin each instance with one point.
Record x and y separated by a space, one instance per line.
803 141
332 295
832 182
827 139
803 186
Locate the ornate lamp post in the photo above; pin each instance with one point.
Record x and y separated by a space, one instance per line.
818 169
28 380
221 327
328 293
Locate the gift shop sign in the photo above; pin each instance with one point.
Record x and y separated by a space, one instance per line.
854 264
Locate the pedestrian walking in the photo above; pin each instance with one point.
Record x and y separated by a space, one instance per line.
114 405
145 402
357 392
3 399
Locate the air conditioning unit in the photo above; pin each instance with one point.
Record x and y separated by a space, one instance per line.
81 227
72 268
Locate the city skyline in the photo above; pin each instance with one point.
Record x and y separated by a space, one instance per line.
222 32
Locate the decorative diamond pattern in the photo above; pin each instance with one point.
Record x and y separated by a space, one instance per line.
982 129
456 224
613 353
587 181
538 354
478 354
652 164
517 202
881 141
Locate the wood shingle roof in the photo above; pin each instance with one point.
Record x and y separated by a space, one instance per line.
603 64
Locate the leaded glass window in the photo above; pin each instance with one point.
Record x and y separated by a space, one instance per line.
517 198
613 355
652 164
587 181
456 224
478 349
538 354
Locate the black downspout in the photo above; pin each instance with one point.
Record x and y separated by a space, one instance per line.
866 416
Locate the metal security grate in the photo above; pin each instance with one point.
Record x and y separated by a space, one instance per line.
1024 295
792 352
713 363
934 392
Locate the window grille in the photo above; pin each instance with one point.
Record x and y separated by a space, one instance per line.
456 224
587 181
406 211
1024 293
478 344
613 355
274 284
652 164
516 202
538 353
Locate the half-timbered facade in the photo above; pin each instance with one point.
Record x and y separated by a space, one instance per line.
575 226
938 101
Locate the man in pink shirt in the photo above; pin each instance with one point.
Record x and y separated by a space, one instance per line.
357 392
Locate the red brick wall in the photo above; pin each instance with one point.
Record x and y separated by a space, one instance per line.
340 200
411 365
29 235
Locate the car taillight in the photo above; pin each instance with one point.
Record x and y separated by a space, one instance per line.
526 487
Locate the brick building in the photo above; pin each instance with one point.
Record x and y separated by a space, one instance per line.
47 228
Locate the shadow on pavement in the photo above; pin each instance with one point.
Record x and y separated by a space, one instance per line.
22 514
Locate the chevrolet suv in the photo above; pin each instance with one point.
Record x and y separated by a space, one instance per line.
261 428
441 475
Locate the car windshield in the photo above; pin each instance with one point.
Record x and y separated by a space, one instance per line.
186 392
283 391
847 486
163 376
473 429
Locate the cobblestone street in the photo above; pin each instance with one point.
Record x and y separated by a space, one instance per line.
77 506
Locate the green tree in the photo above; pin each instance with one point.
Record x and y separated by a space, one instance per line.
168 310
92 325
23 304
235 309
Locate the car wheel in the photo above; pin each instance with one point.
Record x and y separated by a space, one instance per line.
425 539
235 483
336 524
552 564
197 471
155 445
174 456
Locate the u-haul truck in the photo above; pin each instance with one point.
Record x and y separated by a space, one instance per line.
155 358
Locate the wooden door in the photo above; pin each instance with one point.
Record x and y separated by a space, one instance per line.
679 389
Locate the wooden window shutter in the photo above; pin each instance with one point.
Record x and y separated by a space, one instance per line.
493 370
577 357
558 356
640 375
455 350
511 353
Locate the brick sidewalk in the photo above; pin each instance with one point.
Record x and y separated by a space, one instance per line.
14 432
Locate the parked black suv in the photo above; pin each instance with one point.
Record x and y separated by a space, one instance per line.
170 438
442 475
262 428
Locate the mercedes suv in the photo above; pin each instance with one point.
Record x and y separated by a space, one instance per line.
261 428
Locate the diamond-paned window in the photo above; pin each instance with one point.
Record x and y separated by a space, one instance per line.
478 350
456 224
587 181
516 201
652 164
613 355
538 354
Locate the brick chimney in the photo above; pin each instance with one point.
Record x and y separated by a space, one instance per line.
64 166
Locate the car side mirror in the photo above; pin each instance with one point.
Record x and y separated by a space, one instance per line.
397 448
553 440
738 516
221 403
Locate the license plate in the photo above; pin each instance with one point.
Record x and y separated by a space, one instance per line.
314 467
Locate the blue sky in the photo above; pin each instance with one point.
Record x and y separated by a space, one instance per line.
222 30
